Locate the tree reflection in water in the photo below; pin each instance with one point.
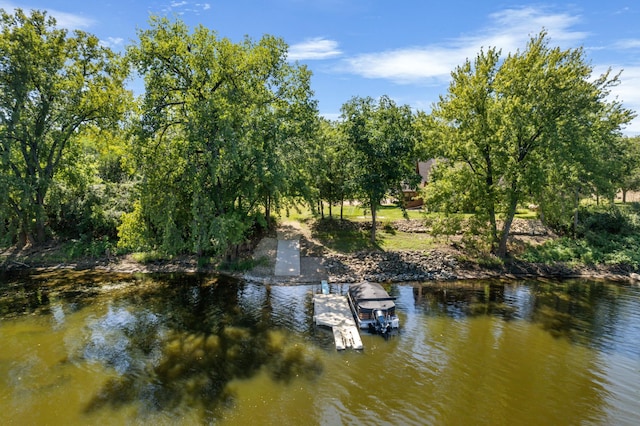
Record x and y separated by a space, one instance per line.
172 340
183 350
579 310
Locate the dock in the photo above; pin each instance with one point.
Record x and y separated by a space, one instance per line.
332 310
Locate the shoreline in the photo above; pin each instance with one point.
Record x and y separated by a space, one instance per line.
317 262
338 268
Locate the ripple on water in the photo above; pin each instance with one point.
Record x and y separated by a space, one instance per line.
510 353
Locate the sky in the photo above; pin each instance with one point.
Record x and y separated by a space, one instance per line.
405 49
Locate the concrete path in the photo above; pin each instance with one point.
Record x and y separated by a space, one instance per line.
288 258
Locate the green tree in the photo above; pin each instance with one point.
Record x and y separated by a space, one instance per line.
331 160
52 86
630 170
383 137
221 125
517 128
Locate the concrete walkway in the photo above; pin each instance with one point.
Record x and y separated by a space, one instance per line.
288 258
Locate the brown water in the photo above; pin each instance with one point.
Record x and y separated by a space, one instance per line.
107 349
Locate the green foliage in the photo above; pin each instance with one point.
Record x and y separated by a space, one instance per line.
609 220
220 137
88 247
147 257
383 139
562 250
629 170
242 265
532 125
609 236
133 231
342 235
331 166
445 224
52 87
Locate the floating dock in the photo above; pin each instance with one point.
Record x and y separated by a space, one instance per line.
332 310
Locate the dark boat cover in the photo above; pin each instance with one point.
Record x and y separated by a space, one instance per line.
371 296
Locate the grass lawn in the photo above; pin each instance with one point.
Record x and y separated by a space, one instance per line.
353 240
356 213
398 241
350 240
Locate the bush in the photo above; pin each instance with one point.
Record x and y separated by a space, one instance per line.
612 221
87 247
607 236
132 232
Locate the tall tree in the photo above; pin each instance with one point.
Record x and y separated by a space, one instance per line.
382 136
630 170
52 85
221 122
507 126
331 161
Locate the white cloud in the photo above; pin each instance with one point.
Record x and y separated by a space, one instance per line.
405 65
112 42
66 20
70 20
627 92
509 30
315 48
182 7
627 44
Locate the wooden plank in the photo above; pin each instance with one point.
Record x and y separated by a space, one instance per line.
338 339
332 310
349 336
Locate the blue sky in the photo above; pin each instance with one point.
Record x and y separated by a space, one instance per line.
404 49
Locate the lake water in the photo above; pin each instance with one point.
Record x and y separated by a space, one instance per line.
87 348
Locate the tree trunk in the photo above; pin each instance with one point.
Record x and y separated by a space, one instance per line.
506 229
41 218
373 222
624 196
267 209
575 213
494 226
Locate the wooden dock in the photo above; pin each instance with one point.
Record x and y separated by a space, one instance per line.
332 310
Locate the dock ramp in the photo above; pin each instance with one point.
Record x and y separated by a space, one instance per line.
332 310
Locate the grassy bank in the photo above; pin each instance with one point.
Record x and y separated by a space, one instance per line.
608 237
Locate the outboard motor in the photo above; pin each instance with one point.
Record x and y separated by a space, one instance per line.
382 325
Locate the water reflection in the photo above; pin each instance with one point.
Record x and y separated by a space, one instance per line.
583 311
89 348
192 338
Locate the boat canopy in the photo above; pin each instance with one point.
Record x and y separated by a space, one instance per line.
371 296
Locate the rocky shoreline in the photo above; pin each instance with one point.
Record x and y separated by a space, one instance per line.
436 265
392 266
441 264
319 263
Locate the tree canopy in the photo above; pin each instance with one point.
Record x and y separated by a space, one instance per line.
227 133
52 86
221 125
384 141
521 128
